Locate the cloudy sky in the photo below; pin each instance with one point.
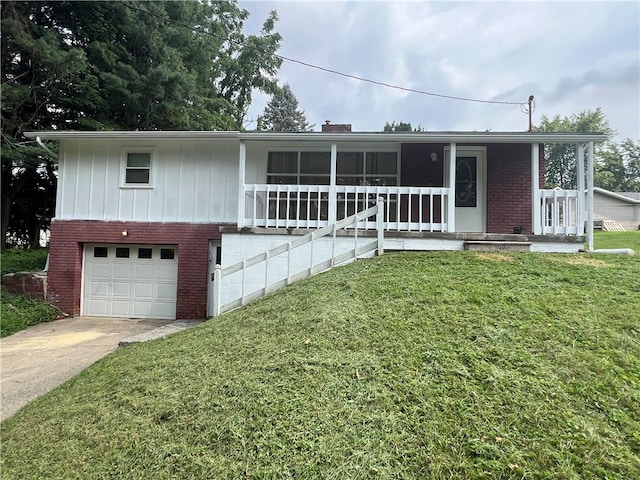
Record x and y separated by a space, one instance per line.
572 56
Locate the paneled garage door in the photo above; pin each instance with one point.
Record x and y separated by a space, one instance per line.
137 281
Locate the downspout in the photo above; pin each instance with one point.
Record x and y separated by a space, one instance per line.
47 149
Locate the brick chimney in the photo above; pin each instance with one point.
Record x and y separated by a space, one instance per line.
327 127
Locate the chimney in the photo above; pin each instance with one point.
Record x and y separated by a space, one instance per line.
336 128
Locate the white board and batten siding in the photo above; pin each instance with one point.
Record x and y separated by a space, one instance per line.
194 181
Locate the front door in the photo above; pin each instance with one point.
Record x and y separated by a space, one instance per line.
470 189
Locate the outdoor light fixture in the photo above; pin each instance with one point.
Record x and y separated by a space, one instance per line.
125 233
434 157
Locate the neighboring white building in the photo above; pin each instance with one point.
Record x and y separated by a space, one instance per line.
620 207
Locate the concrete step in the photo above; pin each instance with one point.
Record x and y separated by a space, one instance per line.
496 246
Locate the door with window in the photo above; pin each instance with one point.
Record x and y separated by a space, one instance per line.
133 281
470 188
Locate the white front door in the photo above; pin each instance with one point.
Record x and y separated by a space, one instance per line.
470 189
134 281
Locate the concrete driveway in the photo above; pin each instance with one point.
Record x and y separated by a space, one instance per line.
37 359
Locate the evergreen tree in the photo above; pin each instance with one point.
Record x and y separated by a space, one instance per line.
282 115
401 127
93 65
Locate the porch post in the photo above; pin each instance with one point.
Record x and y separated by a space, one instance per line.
333 204
241 176
580 199
535 188
451 198
590 195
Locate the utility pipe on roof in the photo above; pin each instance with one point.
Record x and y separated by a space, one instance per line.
47 149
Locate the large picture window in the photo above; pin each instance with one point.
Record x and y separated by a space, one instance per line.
299 168
314 168
367 168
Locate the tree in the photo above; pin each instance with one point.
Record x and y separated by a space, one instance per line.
560 160
401 127
618 168
282 115
120 65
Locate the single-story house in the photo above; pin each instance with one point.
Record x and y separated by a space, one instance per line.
143 217
622 208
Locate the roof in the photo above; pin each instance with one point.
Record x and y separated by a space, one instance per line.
630 197
407 137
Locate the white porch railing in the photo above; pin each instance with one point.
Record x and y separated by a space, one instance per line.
314 206
269 284
560 212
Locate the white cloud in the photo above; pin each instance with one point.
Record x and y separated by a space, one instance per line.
572 56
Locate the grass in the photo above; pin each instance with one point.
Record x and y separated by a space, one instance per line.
415 365
19 312
629 239
20 260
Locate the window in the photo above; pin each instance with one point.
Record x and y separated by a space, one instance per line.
299 168
367 168
145 252
167 253
137 171
122 252
100 252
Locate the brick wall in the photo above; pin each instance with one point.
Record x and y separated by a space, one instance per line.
509 187
69 236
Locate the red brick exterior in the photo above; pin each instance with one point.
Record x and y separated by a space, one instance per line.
69 236
509 197
508 181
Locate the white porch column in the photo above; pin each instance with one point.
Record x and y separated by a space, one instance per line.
242 160
333 204
451 199
590 195
535 189
580 201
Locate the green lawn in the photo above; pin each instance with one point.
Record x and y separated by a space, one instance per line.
415 365
19 312
629 239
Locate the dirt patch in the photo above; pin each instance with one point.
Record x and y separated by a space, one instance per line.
495 257
583 260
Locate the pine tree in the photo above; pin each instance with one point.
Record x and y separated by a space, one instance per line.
282 115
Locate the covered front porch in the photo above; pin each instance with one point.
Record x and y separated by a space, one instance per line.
436 187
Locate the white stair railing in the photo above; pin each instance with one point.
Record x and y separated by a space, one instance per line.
287 248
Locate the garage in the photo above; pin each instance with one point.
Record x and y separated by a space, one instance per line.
135 281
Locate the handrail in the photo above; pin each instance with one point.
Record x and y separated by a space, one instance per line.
353 220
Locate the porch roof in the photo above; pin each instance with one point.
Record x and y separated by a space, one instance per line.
410 137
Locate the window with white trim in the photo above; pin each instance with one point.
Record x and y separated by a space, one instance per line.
299 168
137 168
367 168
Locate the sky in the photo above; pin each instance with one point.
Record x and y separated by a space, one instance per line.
571 56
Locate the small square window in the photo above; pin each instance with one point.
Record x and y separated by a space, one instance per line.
100 252
138 168
167 253
122 252
145 252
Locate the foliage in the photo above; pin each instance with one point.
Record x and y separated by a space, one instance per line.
20 312
411 365
19 260
618 167
560 159
119 65
282 115
401 127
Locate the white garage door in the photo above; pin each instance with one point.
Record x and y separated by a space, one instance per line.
136 281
